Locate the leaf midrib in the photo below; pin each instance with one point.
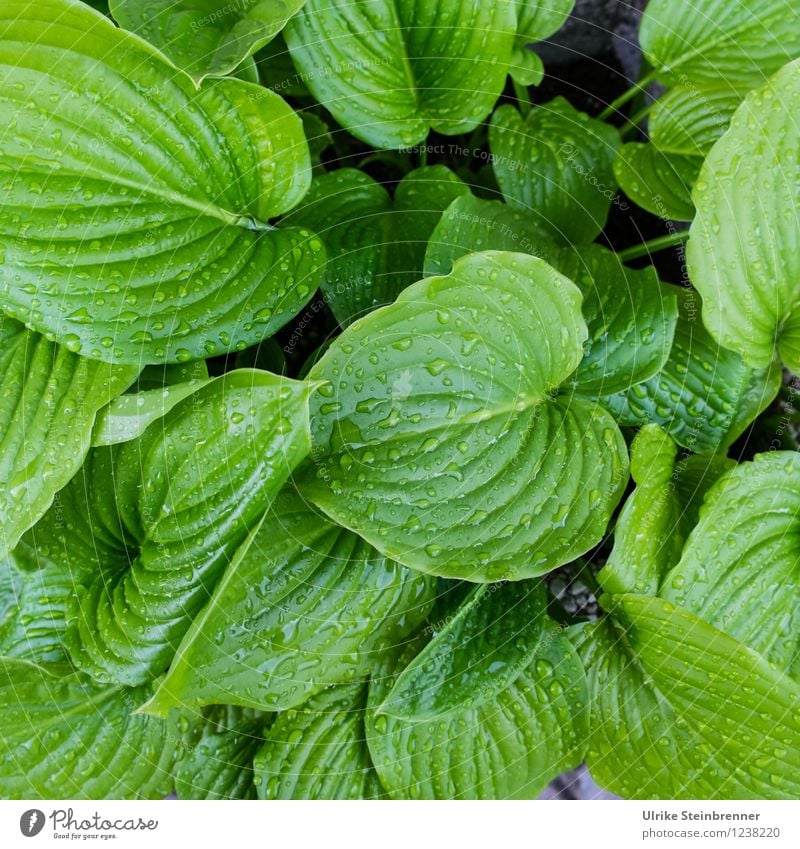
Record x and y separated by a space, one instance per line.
168 197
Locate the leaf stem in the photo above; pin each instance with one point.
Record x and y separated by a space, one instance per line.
634 121
654 245
627 95
523 98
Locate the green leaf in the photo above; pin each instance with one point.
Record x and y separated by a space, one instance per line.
49 398
509 747
631 317
33 614
705 396
63 736
658 182
220 763
470 225
688 119
744 251
739 570
646 542
318 751
135 207
209 38
403 68
375 244
716 40
480 651
303 604
659 514
681 710
147 528
556 165
535 22
445 449
129 415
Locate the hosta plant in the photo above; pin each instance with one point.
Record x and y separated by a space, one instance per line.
331 376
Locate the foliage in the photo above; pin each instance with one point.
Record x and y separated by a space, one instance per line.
323 361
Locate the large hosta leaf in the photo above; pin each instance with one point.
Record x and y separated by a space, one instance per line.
705 396
681 710
740 570
63 736
135 208
390 70
219 765
375 243
319 751
659 182
147 528
744 250
304 604
49 398
436 436
206 37
484 647
508 747
556 165
715 40
630 316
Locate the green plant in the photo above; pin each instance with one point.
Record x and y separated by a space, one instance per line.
304 404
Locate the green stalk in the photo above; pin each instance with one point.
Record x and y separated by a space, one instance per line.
654 245
633 122
523 98
627 95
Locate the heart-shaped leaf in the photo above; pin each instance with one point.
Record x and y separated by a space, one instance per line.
212 37
135 208
681 710
631 317
479 652
707 41
705 396
49 398
437 437
744 250
375 244
659 182
404 68
508 747
63 736
556 165
147 528
319 751
304 604
739 569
